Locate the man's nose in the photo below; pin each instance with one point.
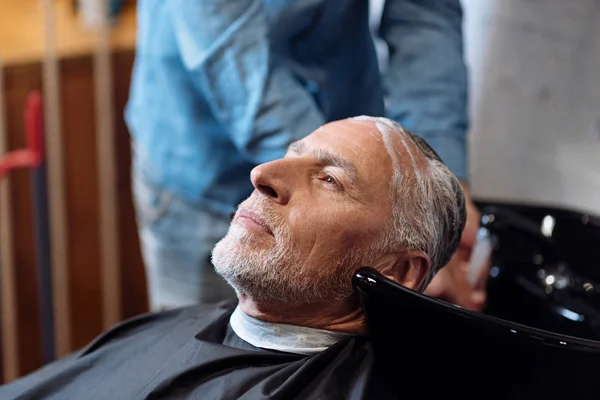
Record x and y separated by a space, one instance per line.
274 179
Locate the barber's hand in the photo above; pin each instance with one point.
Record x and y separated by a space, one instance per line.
451 282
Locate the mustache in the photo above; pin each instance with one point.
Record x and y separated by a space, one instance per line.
261 206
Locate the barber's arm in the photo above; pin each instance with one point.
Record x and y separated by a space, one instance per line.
426 91
225 47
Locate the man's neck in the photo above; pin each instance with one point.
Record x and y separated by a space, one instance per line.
346 316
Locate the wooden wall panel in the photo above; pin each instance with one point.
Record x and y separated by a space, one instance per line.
17 85
133 280
9 338
82 198
81 181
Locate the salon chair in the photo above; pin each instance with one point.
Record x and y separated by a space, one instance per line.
428 348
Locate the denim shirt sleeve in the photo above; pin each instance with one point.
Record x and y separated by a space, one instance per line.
426 81
224 44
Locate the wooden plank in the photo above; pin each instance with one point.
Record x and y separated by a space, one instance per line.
105 147
19 82
8 321
56 185
82 196
133 281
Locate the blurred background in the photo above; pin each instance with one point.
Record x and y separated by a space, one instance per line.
56 51
534 139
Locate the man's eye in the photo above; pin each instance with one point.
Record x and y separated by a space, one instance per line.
328 181
332 181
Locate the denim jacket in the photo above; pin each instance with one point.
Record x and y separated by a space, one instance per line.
220 86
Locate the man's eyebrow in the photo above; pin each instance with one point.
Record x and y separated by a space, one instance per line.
326 158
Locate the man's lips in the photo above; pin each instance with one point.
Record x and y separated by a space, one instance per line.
252 218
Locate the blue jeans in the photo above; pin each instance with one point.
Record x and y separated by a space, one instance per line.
176 239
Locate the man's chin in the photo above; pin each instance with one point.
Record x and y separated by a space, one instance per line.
234 250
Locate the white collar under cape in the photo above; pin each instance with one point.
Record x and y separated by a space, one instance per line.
282 337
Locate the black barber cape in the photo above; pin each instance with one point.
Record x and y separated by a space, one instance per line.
192 353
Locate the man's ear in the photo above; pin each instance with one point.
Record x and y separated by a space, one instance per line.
409 269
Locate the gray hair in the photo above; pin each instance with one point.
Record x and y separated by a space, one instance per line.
428 206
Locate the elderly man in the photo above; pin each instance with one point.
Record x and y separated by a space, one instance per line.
356 192
220 86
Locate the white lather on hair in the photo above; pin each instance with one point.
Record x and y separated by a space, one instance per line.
428 216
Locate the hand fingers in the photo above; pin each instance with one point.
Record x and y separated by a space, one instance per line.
478 300
436 287
472 224
483 276
469 235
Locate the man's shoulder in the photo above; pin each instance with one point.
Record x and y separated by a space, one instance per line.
185 321
124 355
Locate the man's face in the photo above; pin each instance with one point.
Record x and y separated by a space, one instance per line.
314 217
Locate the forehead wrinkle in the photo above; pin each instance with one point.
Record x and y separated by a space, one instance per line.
348 128
369 123
349 139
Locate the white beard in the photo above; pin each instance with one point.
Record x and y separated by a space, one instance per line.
265 273
275 272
